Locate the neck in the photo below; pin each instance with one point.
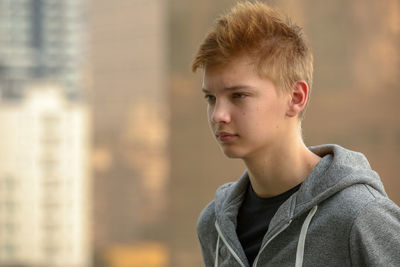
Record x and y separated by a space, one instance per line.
281 167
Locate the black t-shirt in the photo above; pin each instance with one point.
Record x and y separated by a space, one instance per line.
254 217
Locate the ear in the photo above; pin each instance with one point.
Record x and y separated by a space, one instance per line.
298 98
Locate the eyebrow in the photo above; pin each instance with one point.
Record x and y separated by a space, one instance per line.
232 88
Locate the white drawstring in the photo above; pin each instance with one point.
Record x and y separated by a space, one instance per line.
302 238
233 253
216 253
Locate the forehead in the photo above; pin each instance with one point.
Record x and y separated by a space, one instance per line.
239 70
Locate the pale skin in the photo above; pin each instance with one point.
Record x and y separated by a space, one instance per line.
254 121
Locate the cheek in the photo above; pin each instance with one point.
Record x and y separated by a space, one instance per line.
260 118
209 114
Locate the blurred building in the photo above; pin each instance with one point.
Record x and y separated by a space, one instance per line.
44 181
44 136
129 45
41 40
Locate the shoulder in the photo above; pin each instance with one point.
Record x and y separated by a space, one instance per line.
363 208
375 234
354 203
381 211
206 231
228 194
207 216
366 203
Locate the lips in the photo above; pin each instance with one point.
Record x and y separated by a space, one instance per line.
225 136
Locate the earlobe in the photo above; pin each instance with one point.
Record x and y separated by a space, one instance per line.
298 98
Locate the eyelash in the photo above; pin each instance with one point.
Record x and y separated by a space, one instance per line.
209 98
238 95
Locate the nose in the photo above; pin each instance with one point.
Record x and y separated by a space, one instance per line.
219 113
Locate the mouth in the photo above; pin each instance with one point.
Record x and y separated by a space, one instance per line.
225 136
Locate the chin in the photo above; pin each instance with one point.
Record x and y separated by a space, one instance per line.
232 153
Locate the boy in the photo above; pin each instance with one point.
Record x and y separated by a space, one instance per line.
293 206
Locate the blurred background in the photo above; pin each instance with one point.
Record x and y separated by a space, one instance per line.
106 159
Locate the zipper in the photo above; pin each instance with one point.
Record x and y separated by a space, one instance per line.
228 246
269 240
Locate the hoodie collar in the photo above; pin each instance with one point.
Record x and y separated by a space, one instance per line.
339 168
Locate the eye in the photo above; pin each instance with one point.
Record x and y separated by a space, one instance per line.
209 98
238 95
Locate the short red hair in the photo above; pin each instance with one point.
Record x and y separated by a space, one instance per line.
278 47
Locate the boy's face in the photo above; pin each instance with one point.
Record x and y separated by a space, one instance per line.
245 112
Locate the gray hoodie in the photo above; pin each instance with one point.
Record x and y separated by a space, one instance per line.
340 216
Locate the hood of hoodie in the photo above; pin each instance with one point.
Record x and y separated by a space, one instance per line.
338 169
